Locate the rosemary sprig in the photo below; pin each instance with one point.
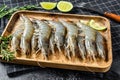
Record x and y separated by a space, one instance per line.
3 7
5 11
4 50
7 55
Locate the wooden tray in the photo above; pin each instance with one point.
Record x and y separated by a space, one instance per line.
61 62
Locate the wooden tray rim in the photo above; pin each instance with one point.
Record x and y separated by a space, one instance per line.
40 12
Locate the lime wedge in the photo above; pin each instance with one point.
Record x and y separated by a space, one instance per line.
84 22
48 5
96 26
64 6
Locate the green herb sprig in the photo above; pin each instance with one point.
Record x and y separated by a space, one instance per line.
2 8
4 50
5 11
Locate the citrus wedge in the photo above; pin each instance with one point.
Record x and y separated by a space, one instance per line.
48 5
96 26
84 22
64 6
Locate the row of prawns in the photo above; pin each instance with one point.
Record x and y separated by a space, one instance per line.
46 35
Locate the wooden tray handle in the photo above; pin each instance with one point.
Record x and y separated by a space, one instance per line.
112 16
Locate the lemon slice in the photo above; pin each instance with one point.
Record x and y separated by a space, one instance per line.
64 6
48 5
96 26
